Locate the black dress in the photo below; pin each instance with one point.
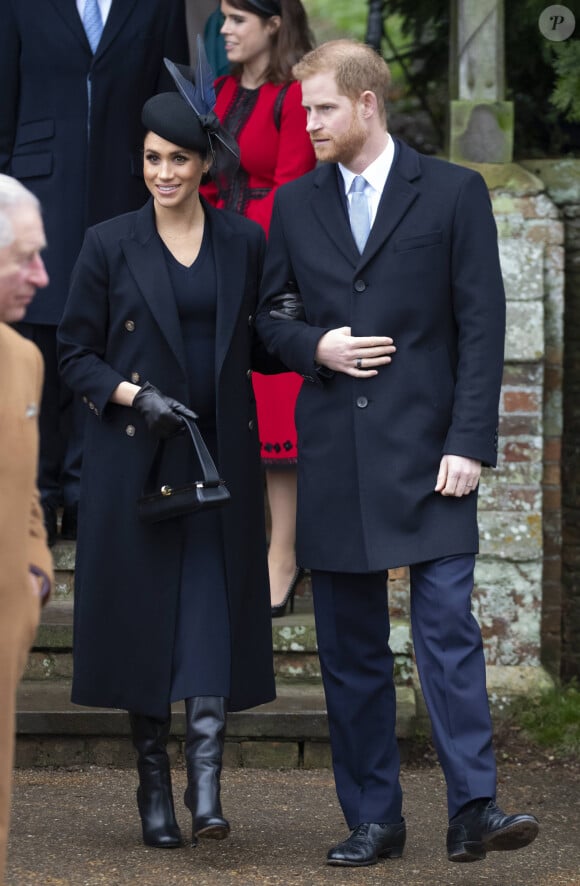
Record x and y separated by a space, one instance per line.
201 653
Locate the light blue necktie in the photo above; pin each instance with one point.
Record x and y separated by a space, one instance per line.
93 23
360 220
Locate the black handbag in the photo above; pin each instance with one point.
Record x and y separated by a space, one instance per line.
159 501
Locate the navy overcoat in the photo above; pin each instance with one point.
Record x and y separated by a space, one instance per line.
81 158
429 277
120 323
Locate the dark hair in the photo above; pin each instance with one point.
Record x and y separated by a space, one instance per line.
290 42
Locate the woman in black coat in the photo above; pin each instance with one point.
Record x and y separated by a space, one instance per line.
160 314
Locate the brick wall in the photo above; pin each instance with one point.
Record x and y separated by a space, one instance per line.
517 598
562 182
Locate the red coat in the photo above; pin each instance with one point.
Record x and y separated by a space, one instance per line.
269 125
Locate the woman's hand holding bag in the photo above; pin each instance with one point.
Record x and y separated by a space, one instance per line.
161 501
162 414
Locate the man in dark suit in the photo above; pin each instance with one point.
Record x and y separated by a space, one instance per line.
26 565
401 338
74 78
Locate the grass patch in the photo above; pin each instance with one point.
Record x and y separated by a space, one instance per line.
551 720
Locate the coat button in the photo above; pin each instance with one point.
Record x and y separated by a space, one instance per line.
360 285
130 430
135 378
130 325
362 402
251 424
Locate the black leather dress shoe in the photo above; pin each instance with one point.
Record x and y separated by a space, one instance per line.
367 843
68 526
483 827
50 524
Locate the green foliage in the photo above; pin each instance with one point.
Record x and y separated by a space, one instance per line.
540 129
331 19
542 77
566 95
552 720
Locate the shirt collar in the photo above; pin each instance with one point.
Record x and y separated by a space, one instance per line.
376 173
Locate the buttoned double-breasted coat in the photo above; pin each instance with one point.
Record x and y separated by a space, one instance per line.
121 324
70 121
429 277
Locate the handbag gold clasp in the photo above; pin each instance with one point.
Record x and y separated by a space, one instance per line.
166 490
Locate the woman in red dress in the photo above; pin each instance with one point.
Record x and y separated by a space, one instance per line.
260 105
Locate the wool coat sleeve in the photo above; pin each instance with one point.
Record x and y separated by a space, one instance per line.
294 341
479 310
84 329
39 555
262 360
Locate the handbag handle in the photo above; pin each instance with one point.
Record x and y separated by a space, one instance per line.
209 471
208 468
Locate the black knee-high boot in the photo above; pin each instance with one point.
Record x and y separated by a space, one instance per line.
154 795
204 747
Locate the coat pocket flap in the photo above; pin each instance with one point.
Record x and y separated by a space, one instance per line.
34 132
429 239
31 165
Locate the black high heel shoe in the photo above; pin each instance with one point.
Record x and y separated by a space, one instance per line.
280 609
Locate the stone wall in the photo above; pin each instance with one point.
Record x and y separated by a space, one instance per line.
517 598
562 182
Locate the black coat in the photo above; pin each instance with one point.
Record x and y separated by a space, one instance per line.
83 168
121 323
369 450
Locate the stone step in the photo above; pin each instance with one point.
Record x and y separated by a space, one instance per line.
63 557
290 731
293 639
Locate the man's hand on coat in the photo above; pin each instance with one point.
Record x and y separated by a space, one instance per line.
457 475
359 356
162 414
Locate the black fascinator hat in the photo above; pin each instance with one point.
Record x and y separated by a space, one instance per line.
170 117
187 118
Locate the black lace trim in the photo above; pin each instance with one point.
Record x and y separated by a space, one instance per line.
238 111
239 194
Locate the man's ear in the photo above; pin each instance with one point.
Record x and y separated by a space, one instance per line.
368 103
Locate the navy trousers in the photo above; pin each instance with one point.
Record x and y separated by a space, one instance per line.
352 627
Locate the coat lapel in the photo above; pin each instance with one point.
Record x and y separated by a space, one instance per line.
329 206
120 12
397 197
67 9
144 255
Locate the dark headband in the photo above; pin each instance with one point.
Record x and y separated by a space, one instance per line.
266 7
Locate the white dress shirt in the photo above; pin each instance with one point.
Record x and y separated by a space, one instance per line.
375 175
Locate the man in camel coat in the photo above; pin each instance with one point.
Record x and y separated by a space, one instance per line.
25 560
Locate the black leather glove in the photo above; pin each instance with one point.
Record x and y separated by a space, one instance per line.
287 306
162 414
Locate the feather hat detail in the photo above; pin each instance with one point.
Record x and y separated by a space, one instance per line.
187 117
